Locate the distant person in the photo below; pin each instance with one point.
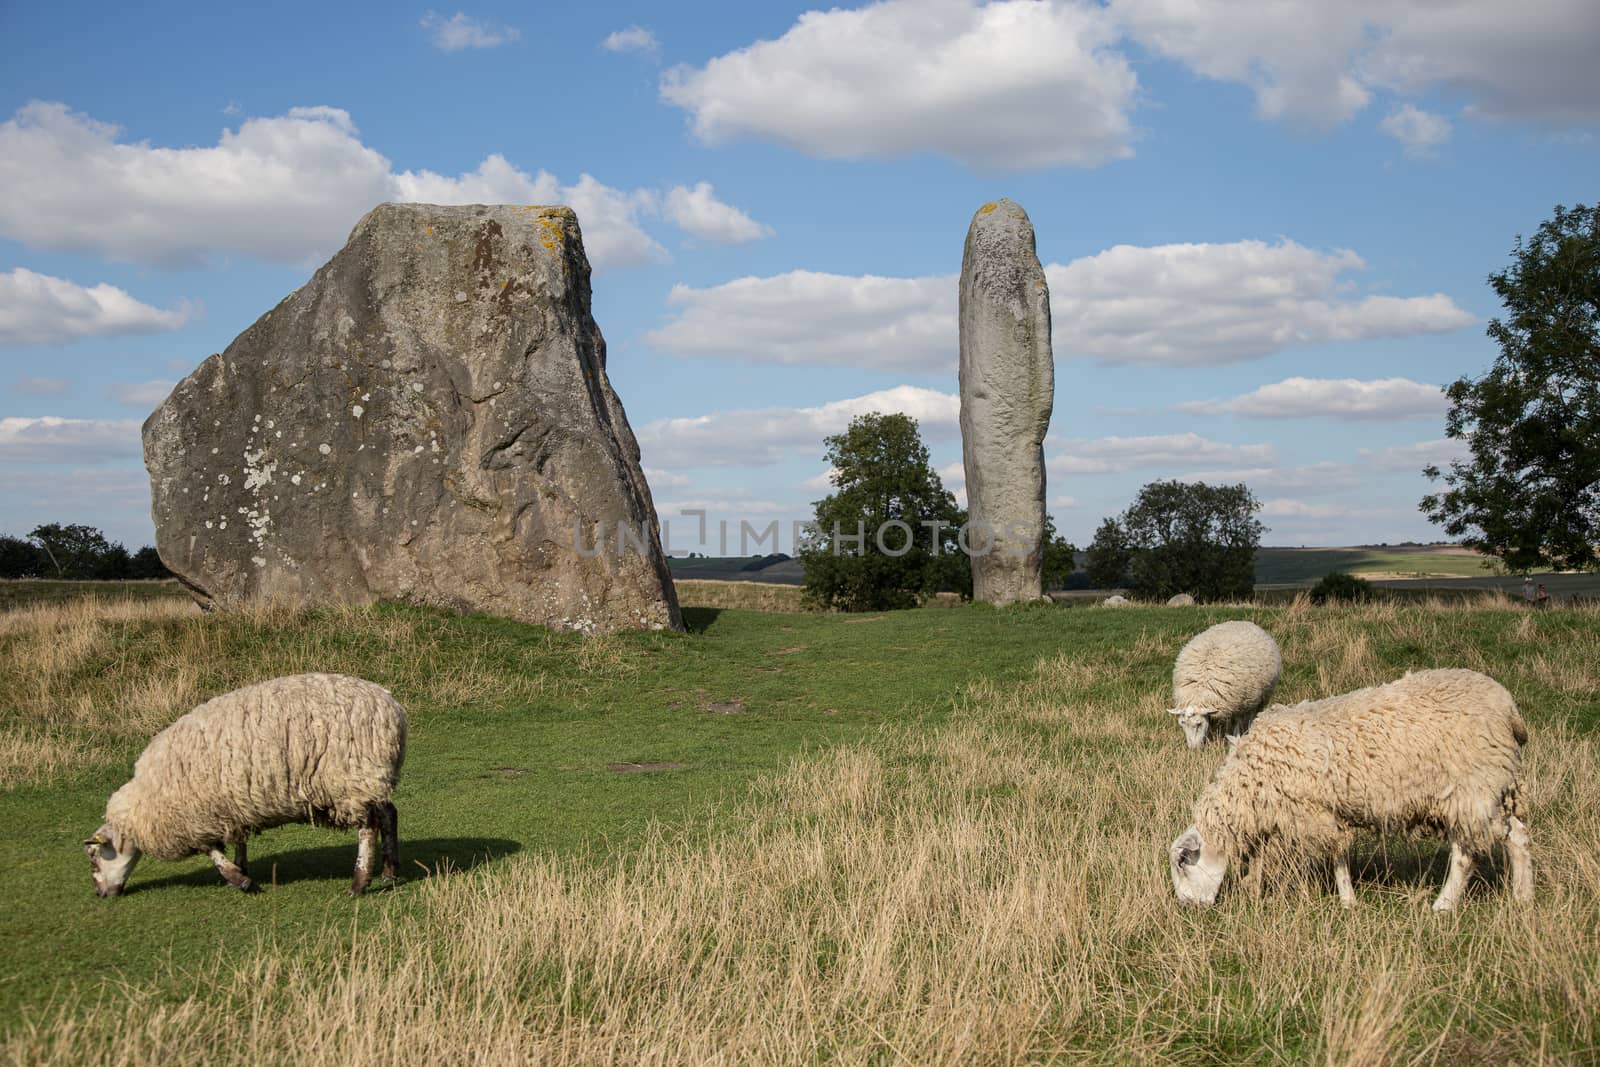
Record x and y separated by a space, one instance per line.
1527 589
1541 598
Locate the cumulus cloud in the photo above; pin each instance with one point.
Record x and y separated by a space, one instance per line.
286 189
40 309
40 386
461 31
1422 132
807 318
1338 398
1289 508
1321 477
51 439
1440 452
632 39
1004 85
143 394
1171 452
1179 305
1318 63
1211 304
764 436
698 211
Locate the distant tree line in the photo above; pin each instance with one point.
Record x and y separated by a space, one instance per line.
77 553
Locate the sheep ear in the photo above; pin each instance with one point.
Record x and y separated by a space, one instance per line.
1186 849
101 836
1176 711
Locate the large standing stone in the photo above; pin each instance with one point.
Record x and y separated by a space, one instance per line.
428 418
1007 390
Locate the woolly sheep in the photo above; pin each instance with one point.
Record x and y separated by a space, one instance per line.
1222 678
323 749
1437 750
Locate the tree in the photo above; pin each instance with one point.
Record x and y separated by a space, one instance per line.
889 532
1182 537
1109 556
21 559
1530 493
74 551
1058 557
146 563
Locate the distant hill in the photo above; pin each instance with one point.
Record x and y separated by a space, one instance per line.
1274 566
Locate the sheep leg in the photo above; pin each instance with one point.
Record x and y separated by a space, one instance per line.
1521 861
241 858
1461 863
1341 878
391 842
365 856
234 876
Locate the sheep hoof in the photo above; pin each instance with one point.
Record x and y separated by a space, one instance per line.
245 885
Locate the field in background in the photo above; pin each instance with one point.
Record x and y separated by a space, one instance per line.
928 836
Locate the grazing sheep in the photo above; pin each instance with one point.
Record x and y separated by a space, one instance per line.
1180 600
1437 750
323 749
1115 601
1222 678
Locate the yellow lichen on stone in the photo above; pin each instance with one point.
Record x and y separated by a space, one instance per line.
985 209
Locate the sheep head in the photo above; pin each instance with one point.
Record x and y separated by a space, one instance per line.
1196 872
111 860
1196 723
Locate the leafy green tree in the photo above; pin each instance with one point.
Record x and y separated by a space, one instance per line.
1530 493
1058 558
74 551
1183 537
1108 556
146 563
1341 586
888 533
22 559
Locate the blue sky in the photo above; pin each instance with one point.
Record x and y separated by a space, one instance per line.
1266 226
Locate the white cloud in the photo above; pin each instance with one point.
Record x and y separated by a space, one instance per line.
1440 452
286 189
660 479
1321 477
40 309
142 394
463 31
698 211
1285 507
730 503
1318 63
1180 305
764 436
1340 398
1211 304
51 439
1420 131
808 318
1003 85
40 386
1066 503
1172 452
632 39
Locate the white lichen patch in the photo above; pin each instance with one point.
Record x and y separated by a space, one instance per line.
416 387
259 561
357 410
294 479
324 448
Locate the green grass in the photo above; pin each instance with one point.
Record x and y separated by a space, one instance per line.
484 779
1035 722
18 592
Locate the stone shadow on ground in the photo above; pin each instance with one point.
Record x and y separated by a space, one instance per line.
699 620
334 862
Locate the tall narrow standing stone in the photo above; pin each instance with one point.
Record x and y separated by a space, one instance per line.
427 419
1007 390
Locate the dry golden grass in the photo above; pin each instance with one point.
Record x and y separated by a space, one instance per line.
993 890
748 596
82 680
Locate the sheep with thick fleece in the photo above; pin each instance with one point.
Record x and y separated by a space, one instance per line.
323 749
1222 678
1436 750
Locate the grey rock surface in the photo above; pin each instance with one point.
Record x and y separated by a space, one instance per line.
1007 391
427 419
1116 601
1180 600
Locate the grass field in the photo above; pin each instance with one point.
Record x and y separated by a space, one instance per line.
927 836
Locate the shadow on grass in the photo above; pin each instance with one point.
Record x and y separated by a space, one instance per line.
699 620
1422 865
335 863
